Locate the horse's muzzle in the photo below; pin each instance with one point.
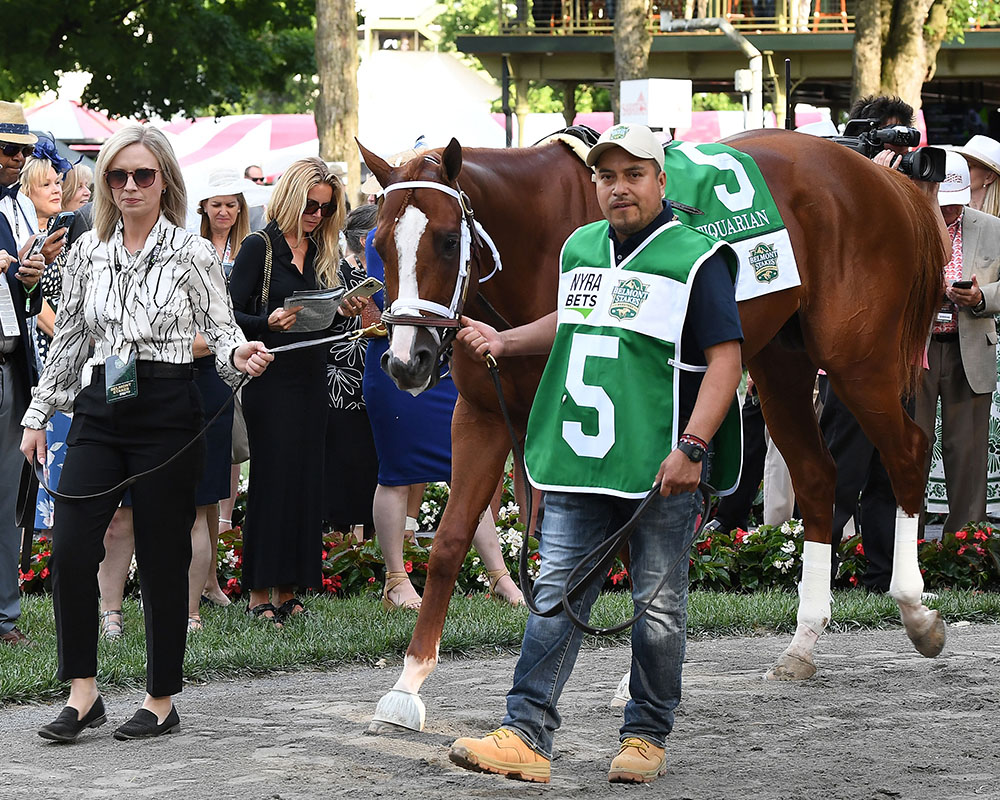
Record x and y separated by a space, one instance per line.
413 376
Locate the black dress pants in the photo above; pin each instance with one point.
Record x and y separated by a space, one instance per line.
107 443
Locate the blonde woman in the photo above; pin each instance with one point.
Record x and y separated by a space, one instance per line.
139 287
76 187
286 411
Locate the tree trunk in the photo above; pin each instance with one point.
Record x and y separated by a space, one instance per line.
904 59
632 41
337 105
934 33
866 71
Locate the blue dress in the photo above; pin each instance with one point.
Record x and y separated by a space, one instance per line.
412 434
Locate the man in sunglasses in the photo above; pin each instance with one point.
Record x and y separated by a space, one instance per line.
20 298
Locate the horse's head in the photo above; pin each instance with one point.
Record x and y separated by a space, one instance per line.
423 235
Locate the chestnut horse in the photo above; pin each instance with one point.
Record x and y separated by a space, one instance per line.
869 249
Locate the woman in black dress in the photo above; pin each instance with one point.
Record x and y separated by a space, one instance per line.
286 412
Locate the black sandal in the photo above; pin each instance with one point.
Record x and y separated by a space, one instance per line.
287 609
261 610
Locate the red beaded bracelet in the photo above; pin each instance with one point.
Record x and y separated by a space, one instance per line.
690 438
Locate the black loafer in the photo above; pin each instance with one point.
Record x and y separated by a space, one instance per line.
143 725
67 726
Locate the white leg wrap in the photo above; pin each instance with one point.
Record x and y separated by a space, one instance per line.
907 583
815 599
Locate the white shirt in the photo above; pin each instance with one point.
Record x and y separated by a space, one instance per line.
22 217
151 305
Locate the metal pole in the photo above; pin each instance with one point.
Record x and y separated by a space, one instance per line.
505 100
789 113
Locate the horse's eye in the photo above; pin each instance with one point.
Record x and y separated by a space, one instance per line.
450 244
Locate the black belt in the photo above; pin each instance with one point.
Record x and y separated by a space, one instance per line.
156 369
951 336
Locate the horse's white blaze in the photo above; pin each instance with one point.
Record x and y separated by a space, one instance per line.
907 583
814 599
416 671
409 231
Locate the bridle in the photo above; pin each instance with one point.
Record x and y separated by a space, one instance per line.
443 323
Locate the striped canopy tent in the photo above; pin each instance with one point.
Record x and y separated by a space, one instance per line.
271 141
82 128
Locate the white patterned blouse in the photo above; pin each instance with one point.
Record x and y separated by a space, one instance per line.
151 305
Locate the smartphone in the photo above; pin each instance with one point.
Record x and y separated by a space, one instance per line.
63 220
36 246
366 288
962 284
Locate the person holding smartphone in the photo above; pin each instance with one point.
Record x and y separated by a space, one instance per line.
962 352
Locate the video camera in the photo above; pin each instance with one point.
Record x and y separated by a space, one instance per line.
864 136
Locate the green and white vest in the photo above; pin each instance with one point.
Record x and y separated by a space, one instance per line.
606 411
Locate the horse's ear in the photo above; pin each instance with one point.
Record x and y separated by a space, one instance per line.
452 160
380 168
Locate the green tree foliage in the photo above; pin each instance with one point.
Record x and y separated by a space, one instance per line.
158 57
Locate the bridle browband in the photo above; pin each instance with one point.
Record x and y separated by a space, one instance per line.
412 310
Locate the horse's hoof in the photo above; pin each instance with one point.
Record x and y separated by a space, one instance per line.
791 668
398 710
622 693
926 630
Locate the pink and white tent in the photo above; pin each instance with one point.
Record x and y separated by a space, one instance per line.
71 122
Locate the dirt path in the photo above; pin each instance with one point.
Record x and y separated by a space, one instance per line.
878 723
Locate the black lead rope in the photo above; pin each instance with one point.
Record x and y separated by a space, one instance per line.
605 552
121 487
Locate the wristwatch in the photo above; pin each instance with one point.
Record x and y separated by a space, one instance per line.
693 451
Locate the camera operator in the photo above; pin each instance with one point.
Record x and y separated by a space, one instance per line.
863 488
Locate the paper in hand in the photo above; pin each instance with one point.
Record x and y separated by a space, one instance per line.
318 308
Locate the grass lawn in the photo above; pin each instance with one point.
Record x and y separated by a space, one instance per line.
358 630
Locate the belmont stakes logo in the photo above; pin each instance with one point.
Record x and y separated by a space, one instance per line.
619 132
626 298
764 260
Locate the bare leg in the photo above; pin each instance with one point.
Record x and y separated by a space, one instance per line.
213 590
159 705
488 546
226 506
202 559
82 694
414 497
119 544
389 511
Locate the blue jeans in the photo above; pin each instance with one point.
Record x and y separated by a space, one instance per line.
572 526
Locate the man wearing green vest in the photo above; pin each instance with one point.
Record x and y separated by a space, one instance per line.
644 361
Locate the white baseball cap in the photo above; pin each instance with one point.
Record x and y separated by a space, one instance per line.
954 189
638 140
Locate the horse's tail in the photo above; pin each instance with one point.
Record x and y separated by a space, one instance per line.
924 296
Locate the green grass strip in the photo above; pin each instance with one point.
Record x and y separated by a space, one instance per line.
357 630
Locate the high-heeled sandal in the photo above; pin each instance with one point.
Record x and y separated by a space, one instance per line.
194 623
392 580
112 628
497 575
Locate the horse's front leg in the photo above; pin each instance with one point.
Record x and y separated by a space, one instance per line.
479 449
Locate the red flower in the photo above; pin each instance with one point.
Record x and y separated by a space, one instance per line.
325 555
980 536
371 579
233 584
43 538
979 549
962 549
44 573
853 580
27 576
859 549
408 566
739 535
961 534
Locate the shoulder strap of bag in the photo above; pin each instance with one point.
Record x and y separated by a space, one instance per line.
266 285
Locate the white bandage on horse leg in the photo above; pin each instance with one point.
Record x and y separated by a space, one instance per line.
814 599
907 583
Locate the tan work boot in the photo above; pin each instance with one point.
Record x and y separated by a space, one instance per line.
502 752
638 761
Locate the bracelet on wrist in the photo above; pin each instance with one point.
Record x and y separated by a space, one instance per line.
690 438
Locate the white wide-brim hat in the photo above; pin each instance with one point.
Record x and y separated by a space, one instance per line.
982 149
227 182
954 189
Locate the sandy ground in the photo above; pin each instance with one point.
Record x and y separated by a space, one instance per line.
878 722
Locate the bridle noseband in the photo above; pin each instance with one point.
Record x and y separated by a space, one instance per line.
411 310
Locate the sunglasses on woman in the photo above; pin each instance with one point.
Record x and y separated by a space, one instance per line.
325 209
11 150
117 178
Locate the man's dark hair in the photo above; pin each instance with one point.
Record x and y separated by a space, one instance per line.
356 226
883 108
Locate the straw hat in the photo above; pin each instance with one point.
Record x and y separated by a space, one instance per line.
982 149
14 126
372 186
